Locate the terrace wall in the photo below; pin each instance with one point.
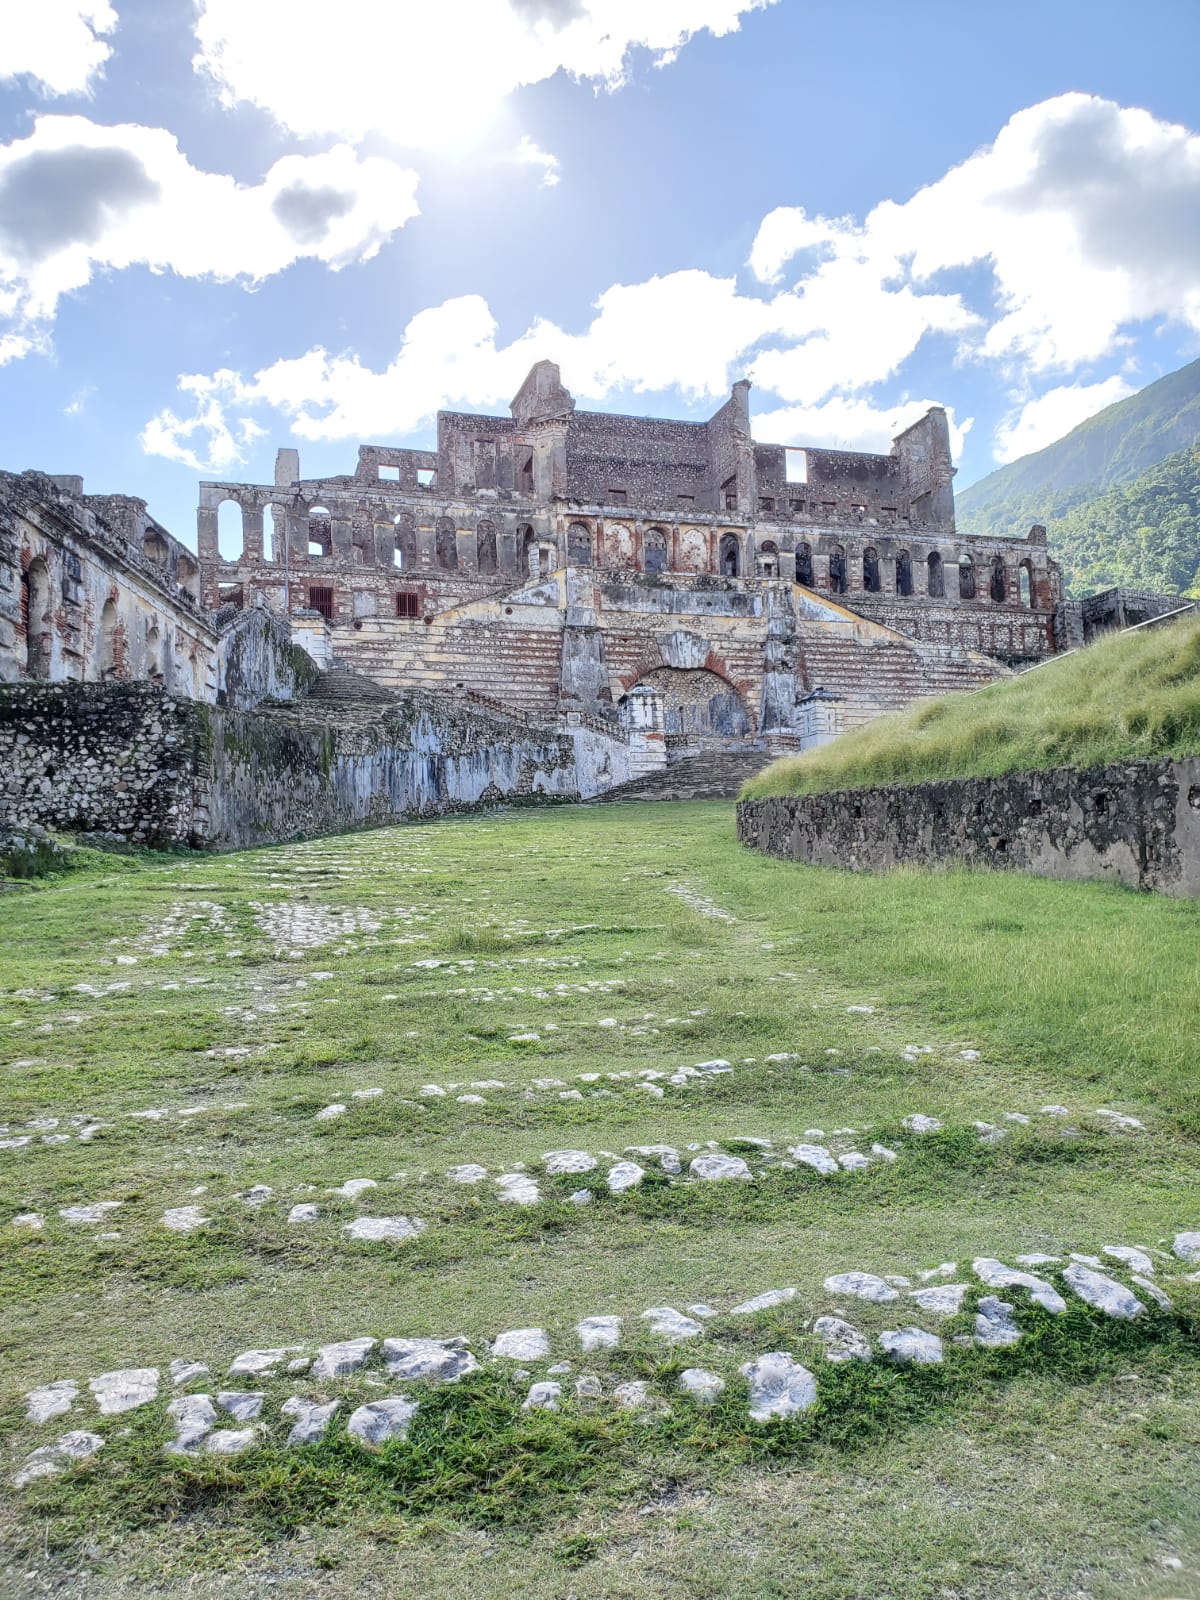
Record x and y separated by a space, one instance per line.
1136 823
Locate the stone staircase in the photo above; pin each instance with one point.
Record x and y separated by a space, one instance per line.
711 775
341 685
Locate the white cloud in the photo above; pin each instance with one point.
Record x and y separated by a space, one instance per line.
642 339
1086 212
225 441
76 198
429 74
1040 422
530 154
55 42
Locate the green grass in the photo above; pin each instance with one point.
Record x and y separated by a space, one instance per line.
1069 1465
1131 697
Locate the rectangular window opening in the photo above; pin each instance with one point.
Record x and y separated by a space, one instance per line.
797 465
390 474
406 604
320 600
426 477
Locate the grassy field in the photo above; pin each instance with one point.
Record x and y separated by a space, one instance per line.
1133 696
537 962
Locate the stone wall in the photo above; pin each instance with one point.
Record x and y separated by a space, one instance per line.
1137 823
285 774
123 760
131 763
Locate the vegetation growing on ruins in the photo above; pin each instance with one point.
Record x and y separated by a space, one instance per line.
1068 1462
1134 696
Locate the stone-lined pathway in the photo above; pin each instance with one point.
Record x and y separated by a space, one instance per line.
776 1384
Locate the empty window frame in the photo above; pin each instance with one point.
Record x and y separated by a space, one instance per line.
320 600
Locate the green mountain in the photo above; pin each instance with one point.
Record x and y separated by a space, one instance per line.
1119 446
1140 535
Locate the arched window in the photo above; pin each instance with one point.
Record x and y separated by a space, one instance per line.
730 556
108 640
231 540
656 550
37 619
871 569
767 560
579 545
154 546
1026 584
935 582
189 576
804 567
320 533
404 553
966 578
837 570
446 545
485 548
904 584
527 544
998 588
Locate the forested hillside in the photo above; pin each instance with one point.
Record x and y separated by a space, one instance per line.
1120 494
1142 535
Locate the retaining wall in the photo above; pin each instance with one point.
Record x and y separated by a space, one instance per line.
131 763
1136 823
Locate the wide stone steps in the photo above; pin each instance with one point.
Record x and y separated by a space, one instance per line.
342 686
711 775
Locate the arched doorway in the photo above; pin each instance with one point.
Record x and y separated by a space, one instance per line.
767 559
698 704
730 558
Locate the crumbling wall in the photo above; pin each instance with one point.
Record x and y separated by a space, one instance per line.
278 775
1136 823
125 761
130 763
258 661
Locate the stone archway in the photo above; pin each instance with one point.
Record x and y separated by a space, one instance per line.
698 703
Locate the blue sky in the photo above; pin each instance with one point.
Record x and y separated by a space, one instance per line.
229 225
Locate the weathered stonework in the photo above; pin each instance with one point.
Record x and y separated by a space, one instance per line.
94 590
131 763
546 559
1137 823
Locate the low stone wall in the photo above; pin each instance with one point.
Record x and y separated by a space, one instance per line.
131 763
1137 823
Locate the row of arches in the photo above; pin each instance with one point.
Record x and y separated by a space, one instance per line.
1000 588
120 649
655 554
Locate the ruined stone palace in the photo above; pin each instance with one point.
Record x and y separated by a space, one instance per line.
552 603
676 577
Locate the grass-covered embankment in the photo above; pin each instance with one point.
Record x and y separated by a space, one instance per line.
1132 697
514 959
